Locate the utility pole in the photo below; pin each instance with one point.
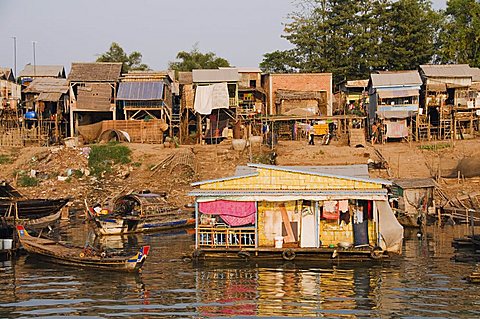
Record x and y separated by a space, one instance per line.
34 60
15 56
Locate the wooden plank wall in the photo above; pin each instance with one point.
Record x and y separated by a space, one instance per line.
139 131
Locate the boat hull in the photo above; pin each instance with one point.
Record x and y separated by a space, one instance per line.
120 226
32 208
75 256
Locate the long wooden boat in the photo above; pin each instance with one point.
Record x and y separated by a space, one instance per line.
31 208
137 213
80 257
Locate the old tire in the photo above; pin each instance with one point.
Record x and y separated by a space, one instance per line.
376 253
288 254
243 254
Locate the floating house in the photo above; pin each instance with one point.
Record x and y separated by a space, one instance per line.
31 72
301 213
412 200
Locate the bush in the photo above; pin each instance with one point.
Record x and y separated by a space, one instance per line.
434 147
5 159
103 157
27 181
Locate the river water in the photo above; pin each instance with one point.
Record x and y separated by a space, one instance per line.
423 283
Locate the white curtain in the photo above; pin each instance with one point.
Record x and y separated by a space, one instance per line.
391 232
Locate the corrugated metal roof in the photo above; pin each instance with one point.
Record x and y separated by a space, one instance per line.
185 77
50 96
140 91
95 72
303 170
406 183
49 85
401 78
358 170
248 70
357 84
388 93
475 74
54 71
6 74
446 70
279 192
214 75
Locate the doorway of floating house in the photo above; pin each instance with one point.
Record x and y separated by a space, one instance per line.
360 223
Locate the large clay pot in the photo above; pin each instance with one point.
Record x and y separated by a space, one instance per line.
239 144
256 140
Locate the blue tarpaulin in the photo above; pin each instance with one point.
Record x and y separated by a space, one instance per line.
140 91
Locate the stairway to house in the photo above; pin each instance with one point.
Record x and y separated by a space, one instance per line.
356 136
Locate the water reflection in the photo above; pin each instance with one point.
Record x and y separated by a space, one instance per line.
423 283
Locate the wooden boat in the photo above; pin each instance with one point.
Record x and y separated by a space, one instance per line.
80 257
13 203
139 212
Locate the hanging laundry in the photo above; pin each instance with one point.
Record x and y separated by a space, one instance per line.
358 215
343 205
220 98
203 99
330 209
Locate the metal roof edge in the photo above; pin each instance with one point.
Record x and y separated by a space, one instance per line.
222 179
359 179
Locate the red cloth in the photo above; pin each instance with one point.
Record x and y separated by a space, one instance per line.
234 213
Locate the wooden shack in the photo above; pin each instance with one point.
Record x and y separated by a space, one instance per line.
287 212
93 88
412 200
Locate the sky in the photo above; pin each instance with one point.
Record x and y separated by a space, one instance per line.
66 31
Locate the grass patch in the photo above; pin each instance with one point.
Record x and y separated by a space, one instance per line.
434 147
103 157
5 159
27 181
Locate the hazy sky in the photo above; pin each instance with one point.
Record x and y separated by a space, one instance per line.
77 31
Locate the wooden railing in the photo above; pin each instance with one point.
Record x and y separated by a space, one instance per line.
226 237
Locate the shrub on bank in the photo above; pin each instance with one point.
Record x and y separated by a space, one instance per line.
103 157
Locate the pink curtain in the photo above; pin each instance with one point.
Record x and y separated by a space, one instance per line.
232 212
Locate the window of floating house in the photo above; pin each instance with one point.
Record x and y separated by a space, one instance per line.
253 83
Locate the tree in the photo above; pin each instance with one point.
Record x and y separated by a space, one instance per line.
352 38
279 62
460 35
196 60
117 54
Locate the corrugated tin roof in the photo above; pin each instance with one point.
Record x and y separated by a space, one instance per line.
304 170
140 91
289 192
248 70
475 74
447 70
6 74
95 72
49 97
216 75
406 183
401 78
49 85
185 77
358 170
54 71
357 84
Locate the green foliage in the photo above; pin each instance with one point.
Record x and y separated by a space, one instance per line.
117 54
5 159
103 157
279 62
460 33
434 147
353 38
27 181
196 60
